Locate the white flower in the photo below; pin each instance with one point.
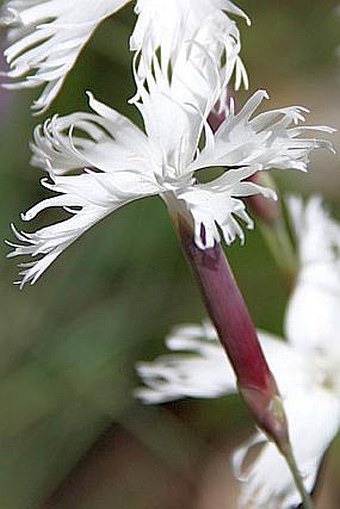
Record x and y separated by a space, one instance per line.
306 367
273 139
46 36
200 371
113 162
171 24
319 253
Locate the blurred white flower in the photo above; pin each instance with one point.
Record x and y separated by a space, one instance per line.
46 36
306 367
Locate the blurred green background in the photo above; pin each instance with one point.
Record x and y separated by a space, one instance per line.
71 435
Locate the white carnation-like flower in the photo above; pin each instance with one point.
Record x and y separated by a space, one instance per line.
306 367
113 162
46 36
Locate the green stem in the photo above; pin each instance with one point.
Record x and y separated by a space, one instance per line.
274 229
307 501
280 245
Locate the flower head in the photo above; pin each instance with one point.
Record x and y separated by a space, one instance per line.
46 36
305 367
113 162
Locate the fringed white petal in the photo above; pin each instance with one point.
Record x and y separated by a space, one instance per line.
175 108
105 140
111 165
230 7
46 38
213 214
272 139
200 370
216 209
86 198
170 25
313 317
317 234
313 417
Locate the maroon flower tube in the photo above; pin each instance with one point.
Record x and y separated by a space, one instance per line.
237 334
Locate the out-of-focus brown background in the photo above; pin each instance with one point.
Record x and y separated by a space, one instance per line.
71 435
